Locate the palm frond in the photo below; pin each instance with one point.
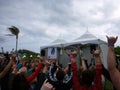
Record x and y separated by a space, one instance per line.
9 35
14 30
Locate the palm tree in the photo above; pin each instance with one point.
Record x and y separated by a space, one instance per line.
14 31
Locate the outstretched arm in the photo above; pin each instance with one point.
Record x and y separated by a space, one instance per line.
84 63
7 68
114 73
98 79
76 83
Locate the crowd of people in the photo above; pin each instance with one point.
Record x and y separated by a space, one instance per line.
42 74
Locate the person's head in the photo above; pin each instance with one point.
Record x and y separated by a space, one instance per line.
19 82
7 57
87 77
74 53
60 74
23 70
32 65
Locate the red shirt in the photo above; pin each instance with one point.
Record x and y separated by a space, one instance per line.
97 81
33 75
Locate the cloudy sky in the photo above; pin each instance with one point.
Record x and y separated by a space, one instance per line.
42 21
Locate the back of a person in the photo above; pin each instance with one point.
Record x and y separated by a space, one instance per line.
19 82
61 86
85 88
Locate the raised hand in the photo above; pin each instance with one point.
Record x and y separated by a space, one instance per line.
47 86
112 40
83 58
13 56
97 56
96 53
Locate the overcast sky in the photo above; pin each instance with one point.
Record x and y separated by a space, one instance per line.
42 21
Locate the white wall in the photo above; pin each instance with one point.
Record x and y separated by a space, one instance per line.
104 50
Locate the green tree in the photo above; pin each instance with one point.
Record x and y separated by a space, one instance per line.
15 31
117 50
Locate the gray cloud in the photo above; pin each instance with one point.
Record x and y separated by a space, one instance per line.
42 21
2 40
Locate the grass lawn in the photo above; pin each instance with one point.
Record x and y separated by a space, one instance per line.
108 85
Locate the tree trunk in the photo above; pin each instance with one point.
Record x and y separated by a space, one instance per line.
16 44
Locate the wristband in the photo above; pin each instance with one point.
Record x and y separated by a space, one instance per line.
110 44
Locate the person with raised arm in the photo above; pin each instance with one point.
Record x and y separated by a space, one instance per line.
87 76
111 61
60 78
47 86
8 66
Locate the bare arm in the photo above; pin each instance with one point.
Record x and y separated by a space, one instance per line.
111 60
47 86
6 69
83 63
97 57
98 79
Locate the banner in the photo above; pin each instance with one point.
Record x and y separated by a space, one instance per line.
52 53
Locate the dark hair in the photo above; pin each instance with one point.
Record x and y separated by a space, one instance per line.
60 75
19 82
87 77
42 52
7 56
